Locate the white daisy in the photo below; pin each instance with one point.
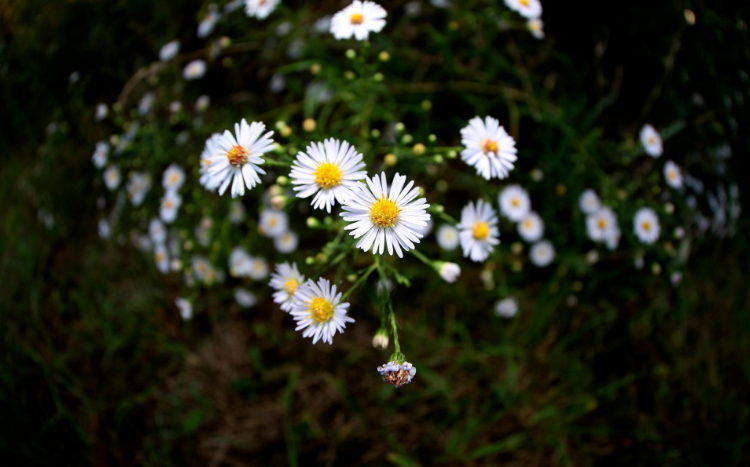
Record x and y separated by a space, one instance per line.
514 202
526 8
240 263
101 112
146 103
646 225
157 231
206 26
212 148
162 258
194 70
105 230
589 202
112 177
170 203
381 218
286 243
449 271
673 175
285 281
651 141
273 222
138 185
447 237
260 8
542 253
229 160
397 374
507 307
531 227
536 27
100 154
202 269
478 230
488 148
185 307
173 178
330 170
317 310
427 228
358 20
602 224
258 268
245 298
169 51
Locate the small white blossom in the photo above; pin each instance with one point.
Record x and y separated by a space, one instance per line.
536 27
651 141
101 112
507 307
479 232
105 230
139 184
206 26
514 202
602 224
173 178
258 268
286 243
273 222
542 253
358 20
489 148
285 281
185 307
170 204
646 225
112 177
318 310
531 227
245 298
194 70
449 271
448 237
157 231
161 258
526 8
169 51
673 175
260 8
589 202
100 154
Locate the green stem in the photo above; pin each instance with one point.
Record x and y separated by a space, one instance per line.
388 306
422 257
359 282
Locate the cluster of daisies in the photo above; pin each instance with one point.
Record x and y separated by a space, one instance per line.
532 11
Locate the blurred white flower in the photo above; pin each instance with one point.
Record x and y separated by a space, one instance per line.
112 177
258 268
260 8
507 307
479 232
173 178
536 27
323 25
105 230
673 175
170 204
514 202
285 281
100 154
440 3
202 103
646 225
531 227
273 222
237 212
157 231
318 310
286 243
169 51
489 148
185 307
207 25
380 218
161 258
138 185
328 170
358 20
397 374
146 103
449 271
379 286
277 84
526 8
240 263
203 231
602 224
194 70
245 298
101 112
676 278
651 141
589 202
542 253
447 237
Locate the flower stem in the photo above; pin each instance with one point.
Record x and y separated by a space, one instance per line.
422 258
359 282
388 314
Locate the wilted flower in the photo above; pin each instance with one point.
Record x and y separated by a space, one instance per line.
479 231
318 310
397 374
489 148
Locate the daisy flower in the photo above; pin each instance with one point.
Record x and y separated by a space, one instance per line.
397 374
601 224
646 225
526 8
157 231
651 141
170 203
488 148
589 202
613 238
447 237
507 307
542 253
514 202
427 228
536 27
240 263
449 271
531 227
273 222
212 148
260 8
317 310
173 178
101 112
358 20
100 154
169 51
138 186
112 177
202 269
185 307
194 70
245 298
161 258
258 268
146 103
229 160
285 281
673 175
207 25
105 230
478 230
286 243
329 170
381 218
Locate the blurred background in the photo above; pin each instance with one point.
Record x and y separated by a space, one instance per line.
605 363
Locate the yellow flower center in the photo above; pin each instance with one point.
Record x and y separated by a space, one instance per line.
515 202
168 204
481 230
357 18
647 226
490 146
602 223
291 286
528 224
321 310
651 140
525 2
273 222
159 257
173 178
238 156
672 174
328 175
384 212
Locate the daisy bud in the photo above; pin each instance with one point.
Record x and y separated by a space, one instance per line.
452 154
309 124
390 160
384 56
278 202
448 271
400 127
313 223
375 133
281 180
378 77
280 124
397 374
419 149
315 68
309 260
380 341
351 54
285 132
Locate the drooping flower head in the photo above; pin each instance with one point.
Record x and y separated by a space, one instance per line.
479 231
673 175
651 141
358 20
397 374
236 158
646 225
285 281
489 148
542 253
329 170
260 8
531 227
381 218
317 310
514 202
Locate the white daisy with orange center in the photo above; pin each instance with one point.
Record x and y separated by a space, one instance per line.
531 227
589 201
273 223
260 8
112 177
328 170
514 202
602 224
526 8
542 253
383 218
211 148
317 309
673 175
170 203
358 20
237 158
173 178
489 148
651 141
139 183
285 281
479 233
646 225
